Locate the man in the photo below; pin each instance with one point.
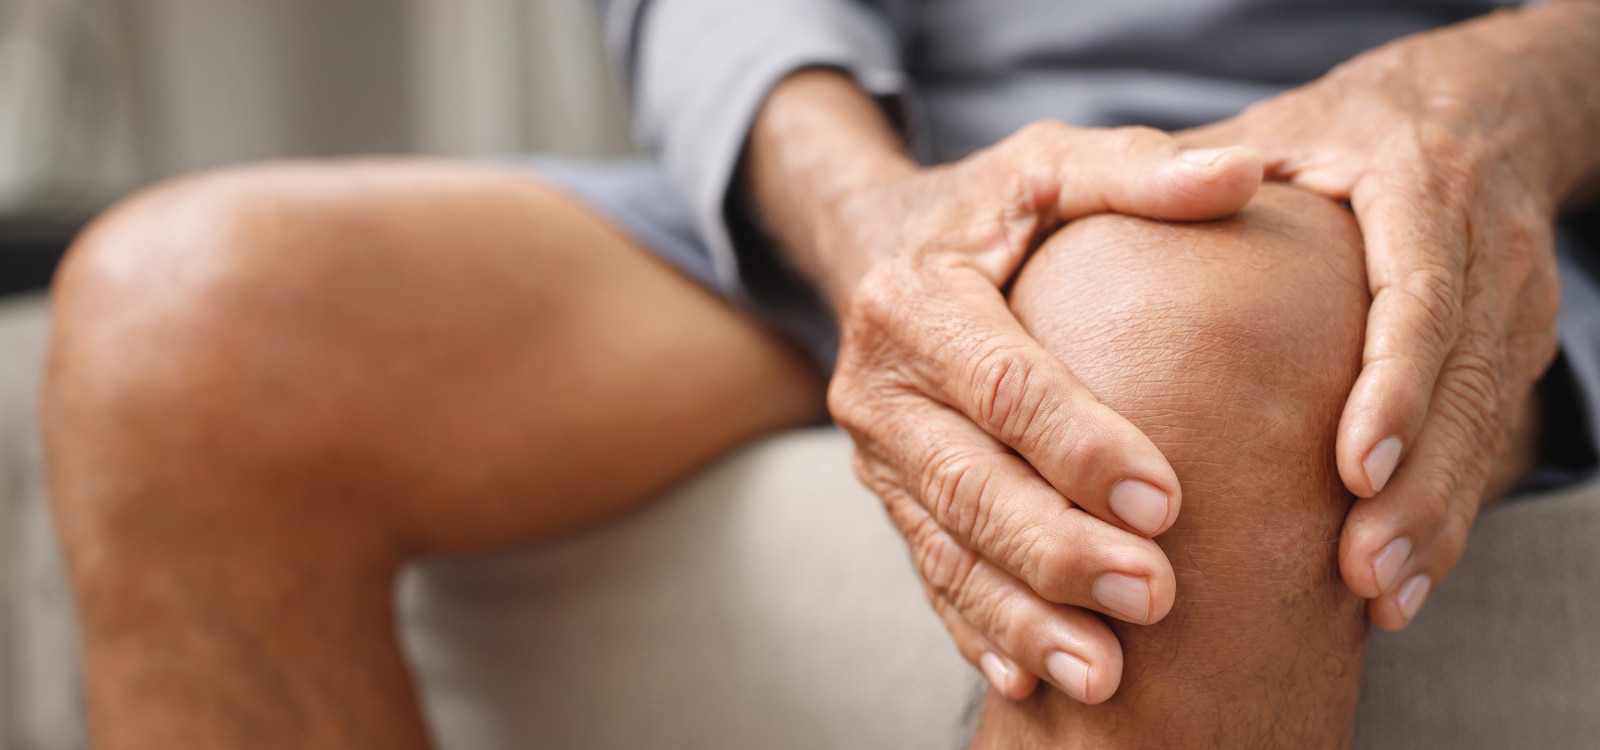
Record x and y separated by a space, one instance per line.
271 387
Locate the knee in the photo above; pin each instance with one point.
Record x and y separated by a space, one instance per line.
174 309
192 347
1245 330
1233 344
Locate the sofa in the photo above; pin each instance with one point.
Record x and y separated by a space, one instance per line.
767 603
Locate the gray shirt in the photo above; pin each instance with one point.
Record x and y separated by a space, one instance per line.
966 73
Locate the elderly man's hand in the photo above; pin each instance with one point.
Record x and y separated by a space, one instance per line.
1025 500
985 448
1455 149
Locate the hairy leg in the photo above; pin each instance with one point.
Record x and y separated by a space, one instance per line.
268 388
1232 344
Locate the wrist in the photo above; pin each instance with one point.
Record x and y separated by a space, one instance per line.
818 143
1559 46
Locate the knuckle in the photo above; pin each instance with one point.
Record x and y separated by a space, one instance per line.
996 376
879 300
1040 132
1007 402
1433 289
953 490
944 565
1051 565
1088 448
1433 503
847 404
1469 396
1136 140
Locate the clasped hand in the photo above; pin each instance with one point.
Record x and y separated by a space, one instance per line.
1027 503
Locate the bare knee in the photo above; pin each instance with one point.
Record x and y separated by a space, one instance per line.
1233 345
192 333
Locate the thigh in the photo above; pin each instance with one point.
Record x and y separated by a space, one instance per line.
460 354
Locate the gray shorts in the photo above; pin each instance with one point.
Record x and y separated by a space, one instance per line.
639 199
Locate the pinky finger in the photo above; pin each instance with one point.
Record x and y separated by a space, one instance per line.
1003 673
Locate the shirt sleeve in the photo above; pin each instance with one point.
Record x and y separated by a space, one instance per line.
699 70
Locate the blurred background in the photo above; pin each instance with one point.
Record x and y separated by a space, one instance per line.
98 97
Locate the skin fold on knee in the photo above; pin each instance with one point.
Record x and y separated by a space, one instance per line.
1232 344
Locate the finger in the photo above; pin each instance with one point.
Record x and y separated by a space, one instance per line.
1288 143
1003 674
1069 647
947 332
1025 397
1400 543
1416 269
1136 171
992 503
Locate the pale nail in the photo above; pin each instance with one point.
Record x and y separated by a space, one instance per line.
1140 505
1070 672
998 674
1381 461
1125 596
1204 157
1386 566
1412 595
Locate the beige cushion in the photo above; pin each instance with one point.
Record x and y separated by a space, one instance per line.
767 603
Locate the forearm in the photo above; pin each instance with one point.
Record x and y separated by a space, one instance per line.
818 140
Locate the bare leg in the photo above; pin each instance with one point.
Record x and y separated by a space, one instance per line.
1233 345
269 388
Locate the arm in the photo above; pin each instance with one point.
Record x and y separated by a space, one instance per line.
699 69
1564 42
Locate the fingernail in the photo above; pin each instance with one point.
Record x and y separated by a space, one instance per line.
1070 672
996 671
1381 461
1386 566
1124 595
1204 157
1412 595
1139 504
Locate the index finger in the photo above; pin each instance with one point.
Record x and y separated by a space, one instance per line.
999 377
1416 270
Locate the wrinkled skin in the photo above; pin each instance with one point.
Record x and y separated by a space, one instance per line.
984 445
939 384
1232 344
1455 149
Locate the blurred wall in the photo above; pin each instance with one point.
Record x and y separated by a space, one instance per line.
99 96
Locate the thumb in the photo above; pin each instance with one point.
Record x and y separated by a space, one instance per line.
1205 183
1143 172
